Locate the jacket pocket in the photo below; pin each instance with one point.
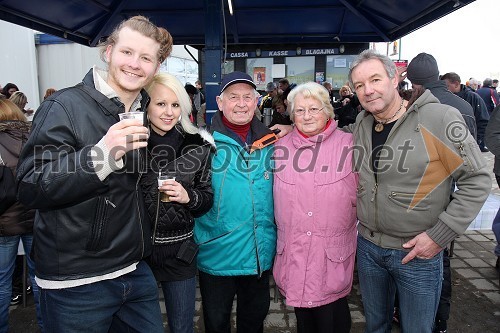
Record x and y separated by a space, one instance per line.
407 200
285 196
280 264
339 268
98 227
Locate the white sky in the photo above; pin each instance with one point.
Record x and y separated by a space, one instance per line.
466 41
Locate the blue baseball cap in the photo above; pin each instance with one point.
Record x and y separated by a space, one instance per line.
236 77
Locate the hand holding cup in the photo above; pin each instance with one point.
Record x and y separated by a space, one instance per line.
126 135
170 190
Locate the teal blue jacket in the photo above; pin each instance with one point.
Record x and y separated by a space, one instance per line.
238 235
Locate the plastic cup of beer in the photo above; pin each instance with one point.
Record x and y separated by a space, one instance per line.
132 115
162 178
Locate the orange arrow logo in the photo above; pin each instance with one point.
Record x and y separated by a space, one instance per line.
437 171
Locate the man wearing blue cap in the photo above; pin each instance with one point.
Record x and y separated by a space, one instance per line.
237 237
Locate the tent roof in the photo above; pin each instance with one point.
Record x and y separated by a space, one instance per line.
253 22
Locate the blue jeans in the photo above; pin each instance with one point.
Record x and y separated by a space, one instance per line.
179 303
496 230
418 284
130 300
8 253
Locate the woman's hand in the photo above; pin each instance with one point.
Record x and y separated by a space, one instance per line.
175 191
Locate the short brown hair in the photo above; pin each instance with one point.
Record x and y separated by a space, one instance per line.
49 92
452 77
10 111
145 27
278 99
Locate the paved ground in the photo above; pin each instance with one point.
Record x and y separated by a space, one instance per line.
475 302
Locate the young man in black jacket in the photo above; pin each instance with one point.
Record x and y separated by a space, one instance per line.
80 168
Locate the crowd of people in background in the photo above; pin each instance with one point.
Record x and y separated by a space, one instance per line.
241 203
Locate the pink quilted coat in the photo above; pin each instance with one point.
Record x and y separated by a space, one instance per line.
315 211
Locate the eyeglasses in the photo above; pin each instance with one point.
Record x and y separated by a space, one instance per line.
312 111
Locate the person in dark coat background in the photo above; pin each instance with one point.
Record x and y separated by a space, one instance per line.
453 82
423 71
16 223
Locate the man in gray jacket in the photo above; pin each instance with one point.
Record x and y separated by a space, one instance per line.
407 156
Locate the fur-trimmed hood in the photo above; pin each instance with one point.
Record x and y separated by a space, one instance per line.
207 137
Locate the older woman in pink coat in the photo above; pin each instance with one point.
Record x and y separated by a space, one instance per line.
315 210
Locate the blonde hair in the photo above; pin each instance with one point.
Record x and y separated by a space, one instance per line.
310 90
10 111
146 28
176 86
345 88
19 99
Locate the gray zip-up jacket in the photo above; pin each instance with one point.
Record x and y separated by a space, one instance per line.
428 147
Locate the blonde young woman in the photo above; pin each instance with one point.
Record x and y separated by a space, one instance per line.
20 99
176 147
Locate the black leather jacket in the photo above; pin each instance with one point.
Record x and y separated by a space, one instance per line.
84 227
172 222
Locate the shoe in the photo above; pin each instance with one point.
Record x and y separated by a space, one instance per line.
440 326
395 316
16 299
484 149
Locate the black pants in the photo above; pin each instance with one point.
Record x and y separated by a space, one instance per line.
443 311
217 295
329 318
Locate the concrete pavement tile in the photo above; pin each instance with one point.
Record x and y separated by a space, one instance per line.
357 317
472 246
162 307
483 284
275 320
275 306
477 262
478 238
463 254
468 273
489 273
456 263
492 261
292 320
487 246
493 296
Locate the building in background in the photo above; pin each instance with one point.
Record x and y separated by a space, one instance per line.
297 63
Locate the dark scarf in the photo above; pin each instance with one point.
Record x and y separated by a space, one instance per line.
164 149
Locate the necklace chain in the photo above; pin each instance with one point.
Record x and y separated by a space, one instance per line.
379 127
